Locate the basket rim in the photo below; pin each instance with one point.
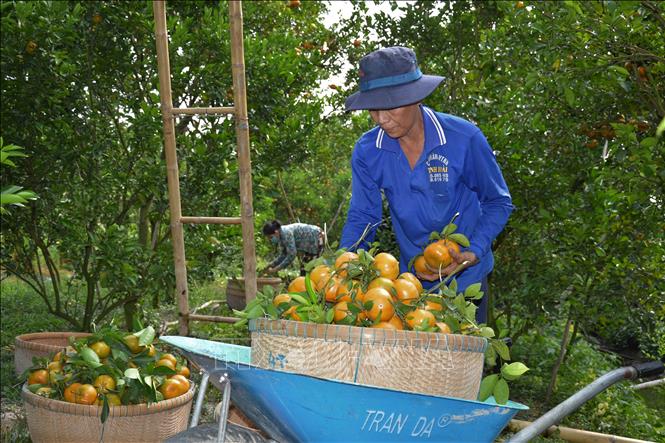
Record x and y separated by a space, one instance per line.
114 411
30 341
369 336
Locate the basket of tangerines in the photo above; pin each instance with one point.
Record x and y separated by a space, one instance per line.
355 317
112 385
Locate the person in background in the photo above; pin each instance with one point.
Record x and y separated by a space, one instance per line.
429 166
300 239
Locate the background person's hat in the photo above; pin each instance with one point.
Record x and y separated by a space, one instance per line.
390 78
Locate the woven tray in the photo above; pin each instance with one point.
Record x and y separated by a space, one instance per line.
412 361
40 344
58 421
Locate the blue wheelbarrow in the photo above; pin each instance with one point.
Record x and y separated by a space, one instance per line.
289 407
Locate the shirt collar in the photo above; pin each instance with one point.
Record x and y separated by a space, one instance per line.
434 135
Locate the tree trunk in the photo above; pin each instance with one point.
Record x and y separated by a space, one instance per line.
562 355
292 215
130 312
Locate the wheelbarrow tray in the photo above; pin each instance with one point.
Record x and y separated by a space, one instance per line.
300 408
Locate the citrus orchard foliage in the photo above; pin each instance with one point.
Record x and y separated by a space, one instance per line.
110 368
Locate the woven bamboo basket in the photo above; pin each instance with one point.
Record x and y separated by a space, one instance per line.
423 362
58 421
235 290
40 344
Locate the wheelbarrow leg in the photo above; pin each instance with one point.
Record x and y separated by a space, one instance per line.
199 400
224 410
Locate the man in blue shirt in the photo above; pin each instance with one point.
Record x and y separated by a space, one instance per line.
428 165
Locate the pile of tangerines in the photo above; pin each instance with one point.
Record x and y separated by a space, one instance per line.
110 368
366 288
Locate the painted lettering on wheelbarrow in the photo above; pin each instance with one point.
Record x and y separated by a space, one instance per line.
395 423
274 360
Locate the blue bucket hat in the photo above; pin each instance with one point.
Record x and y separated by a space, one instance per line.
390 78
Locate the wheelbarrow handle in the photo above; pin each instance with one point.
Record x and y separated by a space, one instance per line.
649 368
572 403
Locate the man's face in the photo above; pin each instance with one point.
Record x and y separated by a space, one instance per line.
397 122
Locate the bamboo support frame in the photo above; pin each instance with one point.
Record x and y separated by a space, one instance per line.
242 134
173 178
204 111
574 435
239 110
213 318
212 220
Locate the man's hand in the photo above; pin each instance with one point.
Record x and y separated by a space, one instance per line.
458 259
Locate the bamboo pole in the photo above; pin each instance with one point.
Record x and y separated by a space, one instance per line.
242 135
574 435
212 220
213 318
204 111
177 237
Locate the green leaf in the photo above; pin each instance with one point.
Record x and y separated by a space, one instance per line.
448 230
89 356
460 239
146 336
513 371
300 299
486 331
620 70
648 142
487 386
661 128
490 356
473 292
501 392
330 314
133 373
310 290
501 349
434 236
570 96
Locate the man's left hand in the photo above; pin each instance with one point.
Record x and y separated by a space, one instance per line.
458 259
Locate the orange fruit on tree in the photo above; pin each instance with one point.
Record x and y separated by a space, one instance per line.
184 371
171 388
413 279
382 306
444 328
38 377
341 311
343 293
291 313
297 285
387 265
437 254
419 318
320 276
281 298
183 381
406 292
382 282
70 392
397 322
113 399
104 383
151 351
384 325
420 265
132 342
85 395
165 362
59 356
102 349
171 357
331 289
342 262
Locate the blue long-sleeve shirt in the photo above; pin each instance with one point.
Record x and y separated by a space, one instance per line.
457 172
